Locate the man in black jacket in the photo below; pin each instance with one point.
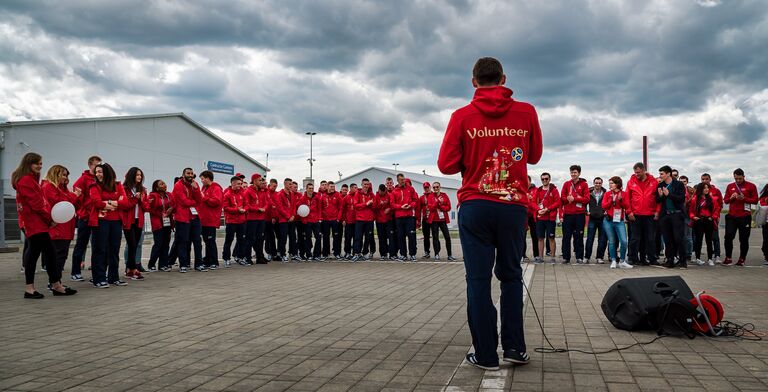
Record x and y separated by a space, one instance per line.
596 215
670 194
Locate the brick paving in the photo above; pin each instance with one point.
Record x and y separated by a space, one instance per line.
362 326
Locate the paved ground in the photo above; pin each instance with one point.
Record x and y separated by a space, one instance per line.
364 326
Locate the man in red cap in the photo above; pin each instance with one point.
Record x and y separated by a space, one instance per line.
426 225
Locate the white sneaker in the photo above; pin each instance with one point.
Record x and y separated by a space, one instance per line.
600 261
717 260
613 264
624 264
553 261
711 262
699 262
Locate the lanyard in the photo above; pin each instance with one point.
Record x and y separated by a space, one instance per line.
738 188
615 196
546 194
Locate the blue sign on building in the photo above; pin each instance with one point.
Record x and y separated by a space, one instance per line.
219 167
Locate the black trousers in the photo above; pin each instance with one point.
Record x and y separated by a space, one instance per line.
254 239
406 228
426 229
331 230
573 228
41 244
382 231
534 238
312 230
742 225
703 230
160 247
300 238
349 235
287 234
81 244
233 231
132 236
642 232
673 232
765 242
392 238
61 247
270 237
363 230
211 250
437 227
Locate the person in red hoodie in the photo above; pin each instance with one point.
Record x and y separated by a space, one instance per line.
55 191
548 202
739 195
532 209
364 218
703 208
426 226
161 220
108 200
616 204
381 201
133 218
257 200
439 205
271 230
35 212
81 187
643 214
718 196
331 225
284 204
489 142
298 225
311 223
575 198
405 203
235 209
350 220
187 198
209 209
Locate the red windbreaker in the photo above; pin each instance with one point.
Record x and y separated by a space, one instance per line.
489 142
550 199
84 183
739 208
296 197
642 195
33 209
533 207
315 204
234 200
381 205
211 204
615 201
332 207
424 207
363 211
438 208
284 205
185 198
129 214
257 201
54 195
350 215
401 196
99 198
160 205
699 208
580 193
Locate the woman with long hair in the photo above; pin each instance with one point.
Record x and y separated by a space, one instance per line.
161 218
56 191
107 198
36 215
616 204
704 211
133 218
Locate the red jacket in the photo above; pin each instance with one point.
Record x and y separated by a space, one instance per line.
550 199
129 213
737 207
699 208
296 197
424 207
160 205
185 197
210 206
34 210
642 195
532 206
611 203
350 215
272 210
364 212
54 195
580 193
489 142
284 204
315 207
381 206
715 193
401 196
438 208
84 183
234 201
332 207
99 198
258 204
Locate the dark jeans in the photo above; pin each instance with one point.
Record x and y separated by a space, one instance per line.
161 245
300 238
287 232
105 251
596 225
331 233
211 250
406 228
270 237
61 249
742 225
426 229
349 235
437 228
534 238
81 244
234 231
40 244
363 229
369 242
132 236
673 232
254 238
573 227
187 236
392 238
312 230
642 240
702 229
492 236
716 239
382 231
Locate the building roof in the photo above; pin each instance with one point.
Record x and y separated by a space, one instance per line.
183 116
445 182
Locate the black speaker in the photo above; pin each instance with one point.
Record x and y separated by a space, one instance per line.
630 303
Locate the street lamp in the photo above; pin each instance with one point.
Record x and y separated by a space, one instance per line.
311 159
395 165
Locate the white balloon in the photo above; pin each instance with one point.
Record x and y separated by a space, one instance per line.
303 210
62 212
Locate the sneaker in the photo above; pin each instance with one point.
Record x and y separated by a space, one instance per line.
285 259
553 260
22 269
201 269
426 255
727 261
101 285
472 360
537 260
566 262
152 269
516 357
579 261
367 256
586 261
717 260
600 261
413 258
355 258
402 258
295 258
77 278
213 267
227 263
625 265
700 262
451 258
135 275
246 261
765 263
183 270
613 264
437 257
711 262
119 283
740 263
165 269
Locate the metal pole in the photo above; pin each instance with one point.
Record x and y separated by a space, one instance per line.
645 152
395 165
311 157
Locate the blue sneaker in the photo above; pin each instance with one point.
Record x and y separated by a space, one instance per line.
472 360
516 357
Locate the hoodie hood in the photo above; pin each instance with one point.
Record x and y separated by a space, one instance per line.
493 101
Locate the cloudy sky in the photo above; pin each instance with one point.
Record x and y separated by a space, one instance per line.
378 80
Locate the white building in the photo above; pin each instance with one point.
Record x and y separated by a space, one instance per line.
378 175
161 145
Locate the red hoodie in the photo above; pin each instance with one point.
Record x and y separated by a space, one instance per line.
315 207
580 193
350 215
401 196
380 206
549 199
99 198
33 208
332 207
159 206
699 208
363 211
210 205
612 203
438 208
84 183
257 201
424 207
642 195
234 201
489 142
738 208
54 195
185 198
284 206
129 213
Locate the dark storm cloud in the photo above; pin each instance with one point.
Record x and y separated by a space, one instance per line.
565 131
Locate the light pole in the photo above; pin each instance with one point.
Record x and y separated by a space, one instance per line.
311 159
395 165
